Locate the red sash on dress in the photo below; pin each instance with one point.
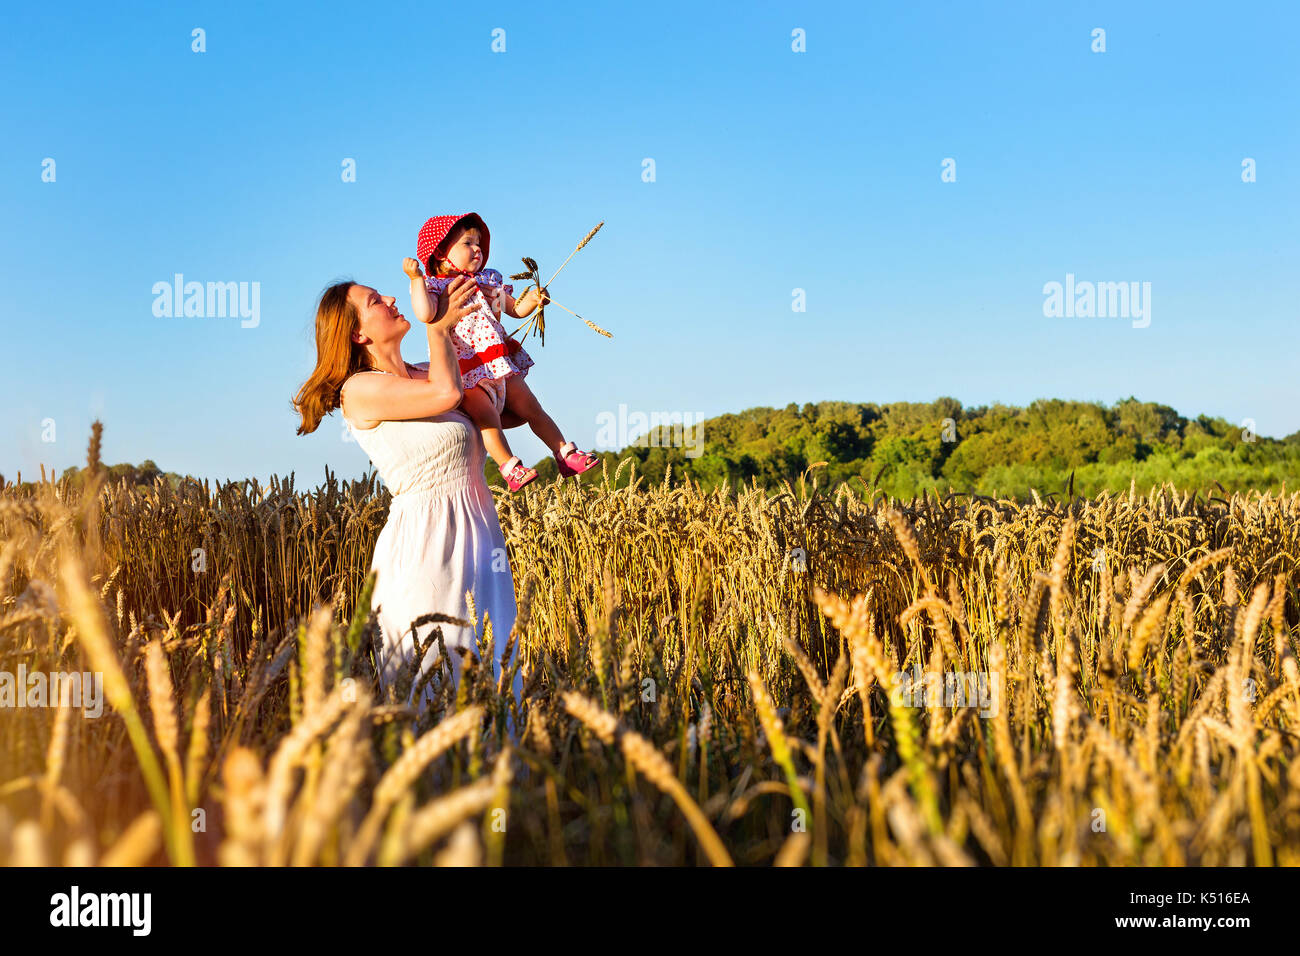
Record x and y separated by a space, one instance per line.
510 347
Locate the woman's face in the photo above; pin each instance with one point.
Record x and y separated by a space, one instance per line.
379 319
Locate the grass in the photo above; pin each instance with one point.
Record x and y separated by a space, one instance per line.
709 678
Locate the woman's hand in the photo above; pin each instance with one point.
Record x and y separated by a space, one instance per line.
454 305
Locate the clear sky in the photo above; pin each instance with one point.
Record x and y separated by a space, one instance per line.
774 171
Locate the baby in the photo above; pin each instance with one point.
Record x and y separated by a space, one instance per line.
451 246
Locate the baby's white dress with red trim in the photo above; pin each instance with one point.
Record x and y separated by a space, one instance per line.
483 347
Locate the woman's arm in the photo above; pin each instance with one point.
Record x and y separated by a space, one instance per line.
453 305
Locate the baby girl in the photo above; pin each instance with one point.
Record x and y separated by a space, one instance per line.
451 246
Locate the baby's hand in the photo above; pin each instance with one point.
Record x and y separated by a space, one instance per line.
531 298
412 268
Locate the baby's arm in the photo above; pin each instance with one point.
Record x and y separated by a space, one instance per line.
525 305
423 305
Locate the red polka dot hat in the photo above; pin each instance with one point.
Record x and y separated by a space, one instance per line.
437 228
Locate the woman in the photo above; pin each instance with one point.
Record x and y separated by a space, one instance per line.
442 537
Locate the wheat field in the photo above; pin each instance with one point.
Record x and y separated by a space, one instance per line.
726 679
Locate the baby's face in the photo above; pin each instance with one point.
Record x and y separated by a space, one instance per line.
466 253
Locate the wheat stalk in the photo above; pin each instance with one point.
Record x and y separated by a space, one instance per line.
642 755
585 239
590 324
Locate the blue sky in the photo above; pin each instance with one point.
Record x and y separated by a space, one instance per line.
774 171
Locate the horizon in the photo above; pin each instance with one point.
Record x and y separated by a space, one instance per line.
883 212
338 475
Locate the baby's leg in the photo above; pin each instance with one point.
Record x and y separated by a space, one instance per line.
480 407
521 401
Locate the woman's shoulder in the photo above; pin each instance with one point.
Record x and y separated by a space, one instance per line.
342 393
360 374
343 387
353 376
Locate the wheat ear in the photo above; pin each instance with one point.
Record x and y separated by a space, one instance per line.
585 239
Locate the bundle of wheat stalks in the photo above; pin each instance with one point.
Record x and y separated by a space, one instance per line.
537 322
722 684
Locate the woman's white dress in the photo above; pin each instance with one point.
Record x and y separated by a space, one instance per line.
442 538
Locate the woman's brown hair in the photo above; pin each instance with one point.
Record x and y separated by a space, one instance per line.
337 357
